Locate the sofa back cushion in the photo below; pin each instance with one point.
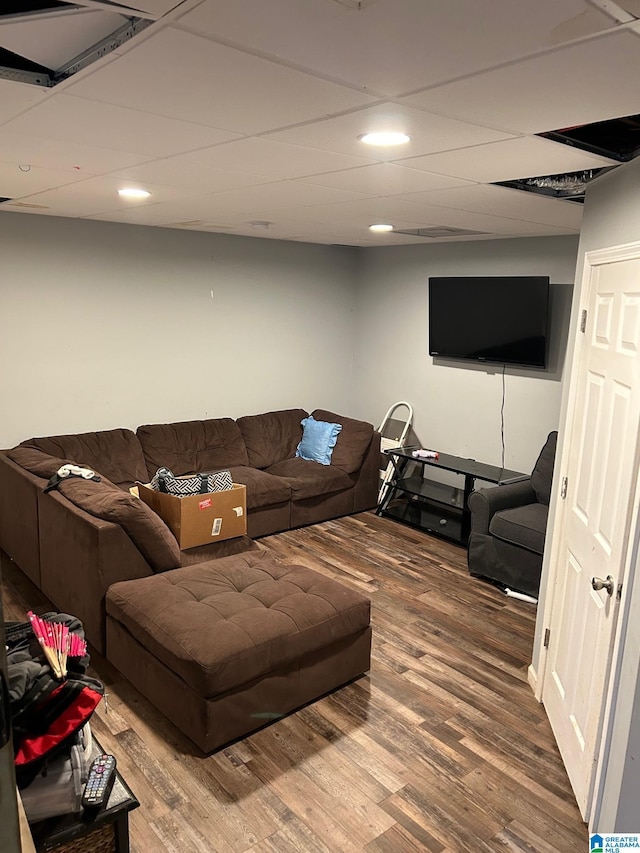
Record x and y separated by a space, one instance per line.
353 440
272 436
543 470
114 453
105 500
189 447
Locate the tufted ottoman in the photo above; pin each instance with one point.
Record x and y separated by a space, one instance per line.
226 646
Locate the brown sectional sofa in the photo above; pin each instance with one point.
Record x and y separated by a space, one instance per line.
76 541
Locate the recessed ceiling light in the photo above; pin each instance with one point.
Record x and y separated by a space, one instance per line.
381 227
132 192
384 138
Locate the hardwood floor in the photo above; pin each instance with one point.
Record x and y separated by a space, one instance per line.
442 747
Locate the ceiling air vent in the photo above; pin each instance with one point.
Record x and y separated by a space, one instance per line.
196 223
356 4
437 231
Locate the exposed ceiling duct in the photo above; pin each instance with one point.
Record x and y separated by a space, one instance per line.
43 42
617 139
570 186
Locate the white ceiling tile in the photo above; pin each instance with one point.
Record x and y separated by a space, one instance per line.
508 202
208 209
404 213
582 83
306 230
274 196
384 179
183 76
233 112
266 157
94 195
428 132
20 180
17 97
393 46
282 229
367 211
523 157
190 171
85 122
265 202
56 154
498 225
176 213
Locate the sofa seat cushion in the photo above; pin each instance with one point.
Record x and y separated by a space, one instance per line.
221 624
272 436
262 489
310 479
190 447
115 453
524 526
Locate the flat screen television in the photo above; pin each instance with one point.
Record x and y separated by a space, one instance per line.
501 319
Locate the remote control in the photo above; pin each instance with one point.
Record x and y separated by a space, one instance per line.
102 774
425 454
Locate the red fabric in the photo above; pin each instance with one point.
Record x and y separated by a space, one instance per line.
70 721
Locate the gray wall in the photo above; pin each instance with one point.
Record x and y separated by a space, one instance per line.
458 404
107 325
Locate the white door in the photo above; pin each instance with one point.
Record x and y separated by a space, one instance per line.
595 518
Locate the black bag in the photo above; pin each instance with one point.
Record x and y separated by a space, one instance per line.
46 712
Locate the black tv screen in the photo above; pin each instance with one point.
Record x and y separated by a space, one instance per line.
502 319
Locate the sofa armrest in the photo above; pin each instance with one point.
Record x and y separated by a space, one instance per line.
484 503
19 491
81 556
368 477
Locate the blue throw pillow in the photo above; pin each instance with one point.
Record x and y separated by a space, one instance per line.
318 440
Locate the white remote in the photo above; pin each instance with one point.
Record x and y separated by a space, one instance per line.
425 454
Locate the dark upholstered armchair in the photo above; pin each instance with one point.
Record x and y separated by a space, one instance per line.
508 527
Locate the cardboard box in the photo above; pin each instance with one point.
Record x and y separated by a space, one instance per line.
200 519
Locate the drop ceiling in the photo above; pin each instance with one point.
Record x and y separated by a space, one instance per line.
244 117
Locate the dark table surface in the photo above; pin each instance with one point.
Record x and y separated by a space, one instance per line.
461 465
67 827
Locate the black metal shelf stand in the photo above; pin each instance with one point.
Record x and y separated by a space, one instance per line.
412 498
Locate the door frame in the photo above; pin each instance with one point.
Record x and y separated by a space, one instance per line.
620 684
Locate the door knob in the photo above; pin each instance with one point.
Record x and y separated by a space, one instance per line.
598 584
